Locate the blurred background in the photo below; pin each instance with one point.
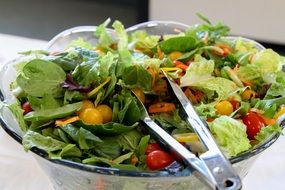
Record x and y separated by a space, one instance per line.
42 19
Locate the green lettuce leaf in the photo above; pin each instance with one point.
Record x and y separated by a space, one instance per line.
265 132
143 41
277 88
180 43
125 56
268 61
230 135
206 110
105 39
80 42
216 88
201 69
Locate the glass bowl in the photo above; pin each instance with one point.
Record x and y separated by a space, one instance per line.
68 175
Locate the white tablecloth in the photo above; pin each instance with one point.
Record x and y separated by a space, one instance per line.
19 170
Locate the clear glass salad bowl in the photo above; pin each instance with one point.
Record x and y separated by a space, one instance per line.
69 175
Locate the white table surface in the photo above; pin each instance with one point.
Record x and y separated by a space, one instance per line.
19 170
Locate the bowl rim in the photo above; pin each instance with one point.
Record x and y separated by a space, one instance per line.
119 172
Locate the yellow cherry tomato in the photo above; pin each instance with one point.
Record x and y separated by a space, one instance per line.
86 104
91 116
106 112
175 55
248 94
224 108
139 93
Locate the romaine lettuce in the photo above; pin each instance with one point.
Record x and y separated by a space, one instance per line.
230 135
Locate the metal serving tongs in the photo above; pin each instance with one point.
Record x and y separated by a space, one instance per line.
211 167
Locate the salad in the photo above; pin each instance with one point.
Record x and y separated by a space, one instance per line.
79 104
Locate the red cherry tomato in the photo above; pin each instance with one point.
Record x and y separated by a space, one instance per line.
235 104
158 159
26 107
152 147
253 123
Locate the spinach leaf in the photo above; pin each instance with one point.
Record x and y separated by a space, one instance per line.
18 112
66 60
125 108
122 158
71 131
72 96
70 150
53 113
110 128
141 148
87 73
128 167
46 102
34 139
95 160
109 148
40 77
137 76
182 44
130 140
86 139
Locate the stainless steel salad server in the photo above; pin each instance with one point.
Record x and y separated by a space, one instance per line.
216 168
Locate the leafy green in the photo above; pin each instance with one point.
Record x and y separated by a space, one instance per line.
216 88
206 110
86 139
87 73
40 77
268 61
212 31
80 42
250 73
105 39
66 60
137 76
277 88
124 104
201 69
46 102
125 56
18 112
230 135
130 140
109 148
181 43
142 40
34 139
53 113
171 120
267 131
110 128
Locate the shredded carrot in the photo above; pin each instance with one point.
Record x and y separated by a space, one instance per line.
177 62
160 54
65 121
153 73
161 107
190 96
182 66
226 50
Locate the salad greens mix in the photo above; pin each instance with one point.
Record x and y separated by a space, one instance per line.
78 104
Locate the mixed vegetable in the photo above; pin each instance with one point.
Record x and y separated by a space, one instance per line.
78 104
